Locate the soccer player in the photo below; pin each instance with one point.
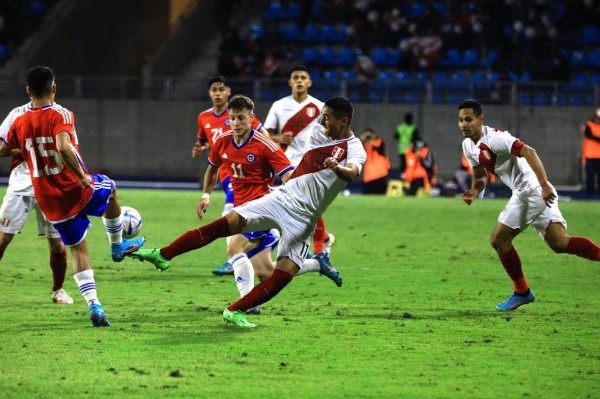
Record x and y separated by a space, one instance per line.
65 191
252 157
333 157
289 122
211 123
17 205
533 202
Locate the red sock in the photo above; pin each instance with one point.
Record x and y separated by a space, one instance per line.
263 292
319 236
196 238
584 248
58 265
512 265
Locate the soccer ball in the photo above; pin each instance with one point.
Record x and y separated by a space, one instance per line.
132 221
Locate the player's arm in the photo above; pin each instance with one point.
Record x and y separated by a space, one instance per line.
5 150
199 147
284 138
346 173
480 179
67 154
589 135
548 192
210 179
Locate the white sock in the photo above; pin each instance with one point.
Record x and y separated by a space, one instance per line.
114 229
87 286
309 265
243 273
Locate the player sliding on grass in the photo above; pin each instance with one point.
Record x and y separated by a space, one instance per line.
333 157
533 202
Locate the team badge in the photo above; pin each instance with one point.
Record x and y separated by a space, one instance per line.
311 112
250 158
338 152
227 122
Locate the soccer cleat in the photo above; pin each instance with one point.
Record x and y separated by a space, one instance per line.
255 310
153 256
225 269
127 246
515 300
329 242
60 297
238 318
327 268
98 316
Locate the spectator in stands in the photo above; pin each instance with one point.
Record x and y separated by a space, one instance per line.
591 153
377 164
405 133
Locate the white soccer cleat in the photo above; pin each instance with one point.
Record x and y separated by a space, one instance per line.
60 297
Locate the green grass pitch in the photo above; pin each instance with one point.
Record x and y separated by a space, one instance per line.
415 317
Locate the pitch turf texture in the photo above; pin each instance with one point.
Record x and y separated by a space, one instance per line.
415 317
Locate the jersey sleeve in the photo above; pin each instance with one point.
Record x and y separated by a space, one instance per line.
501 142
213 156
279 162
356 154
469 155
256 124
271 121
201 133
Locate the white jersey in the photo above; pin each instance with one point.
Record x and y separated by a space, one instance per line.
19 181
287 114
312 188
497 151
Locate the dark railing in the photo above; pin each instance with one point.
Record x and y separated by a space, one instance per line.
406 91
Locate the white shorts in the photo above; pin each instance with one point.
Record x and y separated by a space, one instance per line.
528 209
14 212
273 211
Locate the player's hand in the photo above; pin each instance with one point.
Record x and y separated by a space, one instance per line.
286 138
86 181
468 196
202 207
548 193
198 149
330 163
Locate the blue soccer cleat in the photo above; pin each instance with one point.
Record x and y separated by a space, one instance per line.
127 246
98 316
225 269
327 268
515 300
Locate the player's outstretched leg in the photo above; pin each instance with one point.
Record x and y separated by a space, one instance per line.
238 318
327 268
515 300
128 245
153 256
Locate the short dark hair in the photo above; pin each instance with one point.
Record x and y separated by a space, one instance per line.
40 80
473 104
341 107
241 103
299 68
408 118
217 79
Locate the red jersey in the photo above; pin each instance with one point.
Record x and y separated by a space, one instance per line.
251 165
210 125
57 188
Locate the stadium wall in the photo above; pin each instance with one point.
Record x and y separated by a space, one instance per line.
152 139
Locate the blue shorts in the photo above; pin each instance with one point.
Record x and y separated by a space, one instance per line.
74 230
228 189
268 240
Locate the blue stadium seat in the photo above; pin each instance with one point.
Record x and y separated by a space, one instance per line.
312 32
471 58
274 11
345 56
348 74
256 30
451 59
325 55
594 58
328 33
379 55
291 31
309 55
